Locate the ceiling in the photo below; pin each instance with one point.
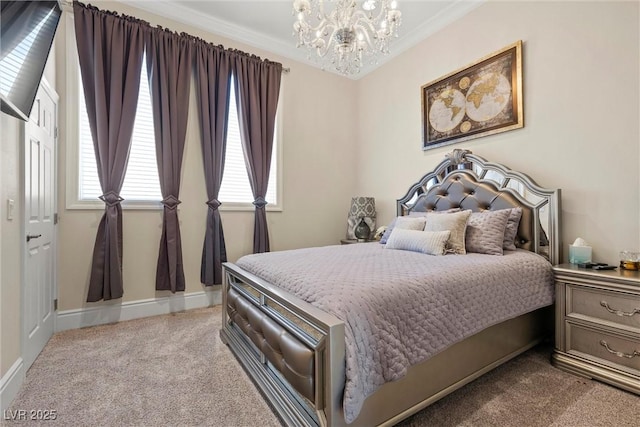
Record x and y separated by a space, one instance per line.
268 24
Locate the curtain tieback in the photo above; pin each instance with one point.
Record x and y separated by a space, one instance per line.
260 202
170 202
214 204
111 198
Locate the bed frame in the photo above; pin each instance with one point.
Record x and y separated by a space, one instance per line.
295 353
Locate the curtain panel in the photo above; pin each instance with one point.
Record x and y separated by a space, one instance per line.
213 80
110 50
257 86
169 67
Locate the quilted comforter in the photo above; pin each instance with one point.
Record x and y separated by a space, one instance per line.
401 307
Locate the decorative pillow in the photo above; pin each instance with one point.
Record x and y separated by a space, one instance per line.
485 231
511 230
426 242
455 222
405 223
435 212
418 214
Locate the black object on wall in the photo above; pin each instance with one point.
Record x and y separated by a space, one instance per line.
27 31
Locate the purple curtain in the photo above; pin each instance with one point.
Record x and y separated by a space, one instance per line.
110 49
257 86
213 73
169 66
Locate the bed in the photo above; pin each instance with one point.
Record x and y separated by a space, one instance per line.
363 335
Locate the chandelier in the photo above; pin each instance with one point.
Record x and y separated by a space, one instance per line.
348 33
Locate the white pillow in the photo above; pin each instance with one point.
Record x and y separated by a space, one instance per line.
454 222
411 222
406 223
426 242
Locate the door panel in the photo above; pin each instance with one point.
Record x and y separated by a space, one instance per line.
39 199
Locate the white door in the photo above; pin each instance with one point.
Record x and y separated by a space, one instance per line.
39 209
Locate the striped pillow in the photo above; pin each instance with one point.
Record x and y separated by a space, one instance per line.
405 223
426 242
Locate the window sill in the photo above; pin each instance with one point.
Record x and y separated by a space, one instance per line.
91 205
153 205
246 207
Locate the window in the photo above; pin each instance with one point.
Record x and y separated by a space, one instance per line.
141 188
141 182
235 186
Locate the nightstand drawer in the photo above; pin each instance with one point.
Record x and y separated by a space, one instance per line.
623 351
615 307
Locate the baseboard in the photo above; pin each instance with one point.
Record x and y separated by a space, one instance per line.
112 312
10 384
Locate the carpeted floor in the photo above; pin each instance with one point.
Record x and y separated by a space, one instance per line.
173 370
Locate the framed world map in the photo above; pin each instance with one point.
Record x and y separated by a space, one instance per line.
480 99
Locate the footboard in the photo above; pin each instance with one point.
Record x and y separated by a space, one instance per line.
293 351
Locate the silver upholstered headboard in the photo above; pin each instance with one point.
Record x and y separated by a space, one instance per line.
466 181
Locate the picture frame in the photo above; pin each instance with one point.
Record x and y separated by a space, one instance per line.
480 99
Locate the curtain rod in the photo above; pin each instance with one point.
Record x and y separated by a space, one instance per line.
68 5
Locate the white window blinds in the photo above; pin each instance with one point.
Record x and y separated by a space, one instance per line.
235 186
141 181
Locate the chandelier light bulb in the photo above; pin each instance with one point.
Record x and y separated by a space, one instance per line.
301 5
369 5
343 33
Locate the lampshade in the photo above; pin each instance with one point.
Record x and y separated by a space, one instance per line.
363 207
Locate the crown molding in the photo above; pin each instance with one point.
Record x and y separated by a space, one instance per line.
435 23
287 49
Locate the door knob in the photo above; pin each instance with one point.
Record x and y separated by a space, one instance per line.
32 236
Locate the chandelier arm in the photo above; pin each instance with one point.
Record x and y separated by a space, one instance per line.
320 7
332 39
362 15
370 25
321 25
322 51
367 26
365 36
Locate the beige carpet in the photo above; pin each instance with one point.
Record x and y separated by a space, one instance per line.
173 370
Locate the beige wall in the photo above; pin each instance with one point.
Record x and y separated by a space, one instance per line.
581 98
10 302
319 179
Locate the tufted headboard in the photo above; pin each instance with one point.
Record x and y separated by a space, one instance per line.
466 181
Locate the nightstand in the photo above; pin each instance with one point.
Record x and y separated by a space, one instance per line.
598 324
350 241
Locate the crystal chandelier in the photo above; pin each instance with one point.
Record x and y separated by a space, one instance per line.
347 33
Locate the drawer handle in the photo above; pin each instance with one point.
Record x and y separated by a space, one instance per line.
619 353
619 312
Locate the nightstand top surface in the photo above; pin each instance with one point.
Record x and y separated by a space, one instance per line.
350 241
618 275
